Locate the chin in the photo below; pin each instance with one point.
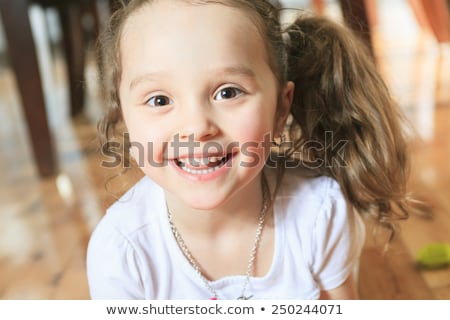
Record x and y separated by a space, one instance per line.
202 202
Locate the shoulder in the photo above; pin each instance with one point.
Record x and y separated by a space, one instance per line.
116 255
135 209
329 231
128 221
311 207
315 202
310 194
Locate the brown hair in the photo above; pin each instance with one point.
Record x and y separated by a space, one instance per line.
338 90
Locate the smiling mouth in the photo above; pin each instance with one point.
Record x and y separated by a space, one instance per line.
203 165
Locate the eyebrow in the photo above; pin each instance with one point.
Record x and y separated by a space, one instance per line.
152 76
238 70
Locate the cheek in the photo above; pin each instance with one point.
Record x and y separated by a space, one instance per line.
252 132
147 141
255 142
255 126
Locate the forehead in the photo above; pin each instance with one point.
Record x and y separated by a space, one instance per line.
178 30
164 12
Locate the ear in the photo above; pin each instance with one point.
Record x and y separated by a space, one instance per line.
284 106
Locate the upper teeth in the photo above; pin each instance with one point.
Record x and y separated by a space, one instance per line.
204 160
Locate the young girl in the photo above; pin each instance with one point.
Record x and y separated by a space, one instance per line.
203 88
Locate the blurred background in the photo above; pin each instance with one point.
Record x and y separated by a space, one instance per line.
53 190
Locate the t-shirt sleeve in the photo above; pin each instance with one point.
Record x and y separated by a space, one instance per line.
338 238
112 266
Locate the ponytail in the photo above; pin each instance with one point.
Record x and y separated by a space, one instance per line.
341 99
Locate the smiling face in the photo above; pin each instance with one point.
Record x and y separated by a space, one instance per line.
199 98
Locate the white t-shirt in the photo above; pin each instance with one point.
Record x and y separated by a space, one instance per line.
133 254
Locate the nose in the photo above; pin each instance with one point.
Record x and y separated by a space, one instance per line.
197 122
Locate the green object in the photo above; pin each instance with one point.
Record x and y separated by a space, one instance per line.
434 256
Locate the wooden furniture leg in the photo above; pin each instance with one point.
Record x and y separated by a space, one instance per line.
24 62
422 20
70 16
438 16
91 8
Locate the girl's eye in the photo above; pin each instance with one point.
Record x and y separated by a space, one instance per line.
228 93
159 101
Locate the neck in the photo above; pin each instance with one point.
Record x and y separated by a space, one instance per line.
240 210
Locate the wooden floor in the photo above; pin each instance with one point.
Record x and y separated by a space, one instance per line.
45 224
